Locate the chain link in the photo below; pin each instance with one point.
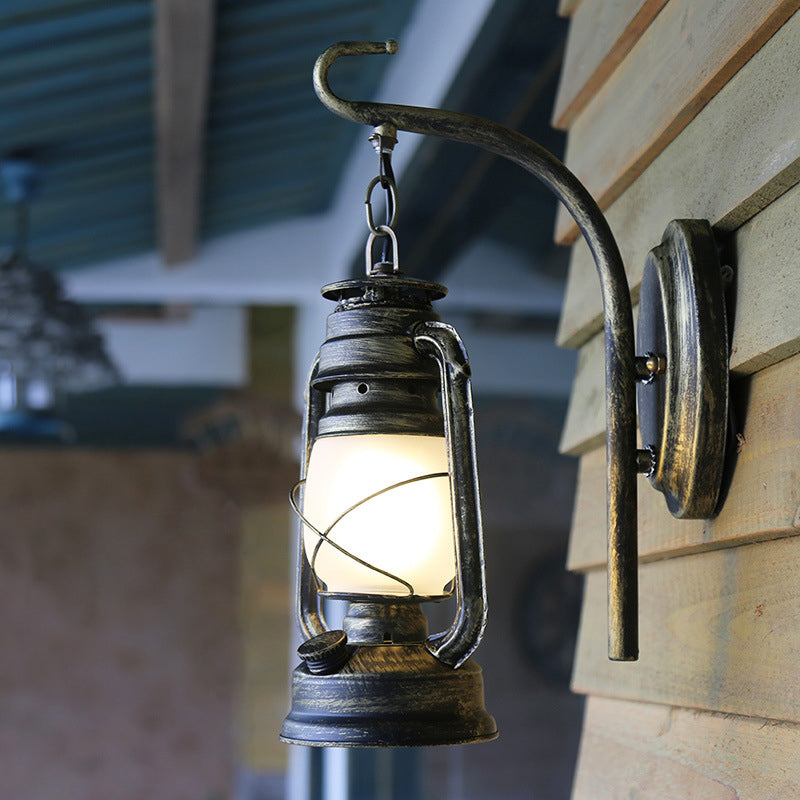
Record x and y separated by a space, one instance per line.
373 269
391 198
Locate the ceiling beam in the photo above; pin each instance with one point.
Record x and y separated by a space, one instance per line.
183 47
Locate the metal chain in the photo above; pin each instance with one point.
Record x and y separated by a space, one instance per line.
391 206
383 141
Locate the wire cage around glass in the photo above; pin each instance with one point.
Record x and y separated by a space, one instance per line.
377 515
390 519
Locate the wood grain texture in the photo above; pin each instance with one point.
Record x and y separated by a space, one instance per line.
740 153
762 500
766 322
689 53
655 752
766 311
600 36
585 425
183 38
718 631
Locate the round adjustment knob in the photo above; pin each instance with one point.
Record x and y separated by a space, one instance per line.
326 653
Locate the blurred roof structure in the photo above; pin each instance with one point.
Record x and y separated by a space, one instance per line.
187 161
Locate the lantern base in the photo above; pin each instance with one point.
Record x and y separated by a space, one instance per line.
389 696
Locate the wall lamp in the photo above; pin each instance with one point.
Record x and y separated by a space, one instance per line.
388 498
49 345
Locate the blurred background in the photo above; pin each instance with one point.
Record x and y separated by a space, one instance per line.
184 185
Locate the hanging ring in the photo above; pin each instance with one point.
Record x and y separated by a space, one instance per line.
372 269
392 189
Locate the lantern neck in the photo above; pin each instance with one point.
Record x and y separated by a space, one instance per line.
375 379
382 623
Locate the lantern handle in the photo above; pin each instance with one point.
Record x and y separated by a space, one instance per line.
442 342
618 316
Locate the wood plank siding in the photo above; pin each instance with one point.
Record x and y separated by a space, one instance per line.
762 495
718 631
667 752
689 53
691 109
600 37
740 153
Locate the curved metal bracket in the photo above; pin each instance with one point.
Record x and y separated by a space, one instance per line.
620 363
440 341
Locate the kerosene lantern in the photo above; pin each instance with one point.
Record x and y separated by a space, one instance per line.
390 518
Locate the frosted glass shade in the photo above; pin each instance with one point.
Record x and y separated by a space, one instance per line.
407 531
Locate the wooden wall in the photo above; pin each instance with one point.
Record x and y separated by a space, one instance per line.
691 108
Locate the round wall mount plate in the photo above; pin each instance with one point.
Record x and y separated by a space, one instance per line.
683 412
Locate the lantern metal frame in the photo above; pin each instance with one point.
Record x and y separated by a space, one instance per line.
408 333
383 681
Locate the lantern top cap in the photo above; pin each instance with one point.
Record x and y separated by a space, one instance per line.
383 289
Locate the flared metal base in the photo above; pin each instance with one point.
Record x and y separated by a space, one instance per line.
389 696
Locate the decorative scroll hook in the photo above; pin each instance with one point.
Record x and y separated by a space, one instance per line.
355 111
618 316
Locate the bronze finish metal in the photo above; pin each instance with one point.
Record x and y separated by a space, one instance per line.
383 681
369 368
389 696
683 412
376 373
649 366
385 623
620 364
441 341
392 684
326 653
368 346
387 689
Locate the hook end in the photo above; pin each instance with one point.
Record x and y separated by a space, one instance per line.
357 112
